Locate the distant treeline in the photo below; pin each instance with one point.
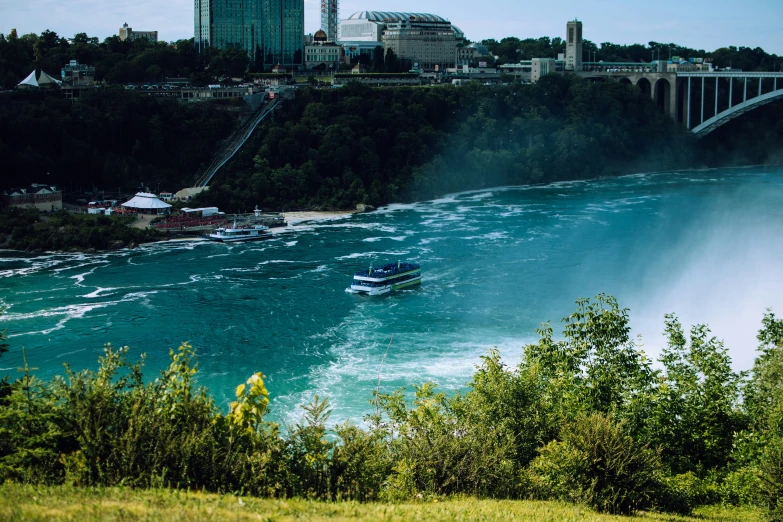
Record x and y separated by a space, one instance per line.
117 61
512 50
339 147
335 148
586 419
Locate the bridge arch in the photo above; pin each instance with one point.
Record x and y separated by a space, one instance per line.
645 86
662 94
726 116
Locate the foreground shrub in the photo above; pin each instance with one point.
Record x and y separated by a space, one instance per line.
688 489
772 479
742 487
597 464
438 451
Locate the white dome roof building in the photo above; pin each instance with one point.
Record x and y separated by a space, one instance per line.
368 26
146 203
425 39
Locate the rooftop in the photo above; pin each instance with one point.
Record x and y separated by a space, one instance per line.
389 16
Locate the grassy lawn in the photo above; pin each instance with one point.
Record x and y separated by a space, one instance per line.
82 504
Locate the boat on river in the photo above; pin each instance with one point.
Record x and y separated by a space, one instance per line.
384 279
235 234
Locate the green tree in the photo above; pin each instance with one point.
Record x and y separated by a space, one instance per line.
694 415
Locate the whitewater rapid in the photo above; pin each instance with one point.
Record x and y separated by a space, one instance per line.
496 263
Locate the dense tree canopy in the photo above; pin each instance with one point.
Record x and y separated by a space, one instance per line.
340 147
116 61
110 138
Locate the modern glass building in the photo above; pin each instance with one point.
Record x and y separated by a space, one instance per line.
273 28
282 31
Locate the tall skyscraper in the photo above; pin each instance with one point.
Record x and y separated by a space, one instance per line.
330 18
282 32
574 46
270 30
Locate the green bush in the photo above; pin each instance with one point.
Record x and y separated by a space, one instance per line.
498 439
689 489
742 487
772 479
597 464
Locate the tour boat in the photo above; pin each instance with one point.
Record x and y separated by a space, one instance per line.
234 234
384 279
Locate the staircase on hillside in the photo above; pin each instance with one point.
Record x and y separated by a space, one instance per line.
235 142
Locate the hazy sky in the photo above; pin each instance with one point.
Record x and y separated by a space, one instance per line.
703 24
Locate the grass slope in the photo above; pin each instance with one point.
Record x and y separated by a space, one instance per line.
29 503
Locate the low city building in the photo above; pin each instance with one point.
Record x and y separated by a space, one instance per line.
377 79
77 74
467 55
321 54
695 65
541 67
126 33
46 198
486 75
481 49
76 77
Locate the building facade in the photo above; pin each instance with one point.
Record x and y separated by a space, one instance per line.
541 67
77 74
271 31
127 33
321 54
573 46
430 43
363 31
45 198
466 55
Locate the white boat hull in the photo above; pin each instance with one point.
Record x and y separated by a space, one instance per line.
380 290
236 235
235 240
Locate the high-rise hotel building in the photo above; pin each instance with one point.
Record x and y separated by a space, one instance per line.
270 29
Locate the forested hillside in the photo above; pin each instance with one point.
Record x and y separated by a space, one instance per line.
336 148
110 138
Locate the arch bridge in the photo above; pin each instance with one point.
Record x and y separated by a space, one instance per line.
702 101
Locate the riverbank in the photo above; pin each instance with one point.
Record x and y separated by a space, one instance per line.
295 218
68 503
28 230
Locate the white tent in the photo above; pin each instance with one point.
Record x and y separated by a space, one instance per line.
146 202
30 81
43 80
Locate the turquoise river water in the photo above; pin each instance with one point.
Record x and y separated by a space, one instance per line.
496 263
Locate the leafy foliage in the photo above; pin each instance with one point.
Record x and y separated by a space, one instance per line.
585 419
108 138
598 464
30 230
339 147
512 50
116 61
